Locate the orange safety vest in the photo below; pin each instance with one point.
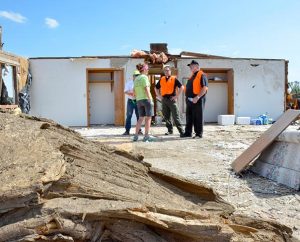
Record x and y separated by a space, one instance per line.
167 87
196 83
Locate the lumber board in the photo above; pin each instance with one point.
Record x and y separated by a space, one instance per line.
240 163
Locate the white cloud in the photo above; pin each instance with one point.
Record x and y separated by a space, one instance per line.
51 23
16 17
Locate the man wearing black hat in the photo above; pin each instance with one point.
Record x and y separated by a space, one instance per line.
195 91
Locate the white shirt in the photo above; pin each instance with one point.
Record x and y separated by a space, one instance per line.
129 87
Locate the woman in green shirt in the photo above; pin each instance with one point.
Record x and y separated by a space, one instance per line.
144 101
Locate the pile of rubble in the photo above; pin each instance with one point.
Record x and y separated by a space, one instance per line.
58 186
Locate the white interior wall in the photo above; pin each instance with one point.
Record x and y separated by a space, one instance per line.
216 101
257 89
102 103
58 89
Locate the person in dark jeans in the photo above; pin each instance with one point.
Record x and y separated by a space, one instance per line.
168 89
131 103
195 91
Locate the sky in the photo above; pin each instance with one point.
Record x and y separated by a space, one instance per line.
267 29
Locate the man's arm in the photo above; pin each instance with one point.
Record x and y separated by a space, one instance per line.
157 92
204 88
180 90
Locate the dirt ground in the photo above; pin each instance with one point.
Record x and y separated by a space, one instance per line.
208 160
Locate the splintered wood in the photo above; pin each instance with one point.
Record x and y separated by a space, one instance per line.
58 186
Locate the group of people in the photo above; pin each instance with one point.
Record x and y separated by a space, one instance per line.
167 90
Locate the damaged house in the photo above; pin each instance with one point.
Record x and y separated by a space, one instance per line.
14 80
88 90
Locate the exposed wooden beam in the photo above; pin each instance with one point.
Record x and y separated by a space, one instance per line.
10 59
1 38
200 55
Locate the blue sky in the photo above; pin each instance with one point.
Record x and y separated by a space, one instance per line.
235 28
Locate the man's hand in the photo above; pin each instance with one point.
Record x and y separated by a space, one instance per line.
195 99
174 98
130 93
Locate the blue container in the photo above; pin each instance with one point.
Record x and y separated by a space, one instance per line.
264 119
256 121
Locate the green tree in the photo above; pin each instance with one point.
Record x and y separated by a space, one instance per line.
295 87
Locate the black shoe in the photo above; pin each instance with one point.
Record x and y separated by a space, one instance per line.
169 132
197 136
184 135
126 133
140 132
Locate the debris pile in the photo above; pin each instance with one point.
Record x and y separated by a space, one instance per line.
153 58
58 186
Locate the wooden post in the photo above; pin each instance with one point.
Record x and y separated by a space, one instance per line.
0 62
0 80
0 37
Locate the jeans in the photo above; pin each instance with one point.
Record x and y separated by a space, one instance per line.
131 106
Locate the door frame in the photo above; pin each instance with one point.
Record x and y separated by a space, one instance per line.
117 88
230 85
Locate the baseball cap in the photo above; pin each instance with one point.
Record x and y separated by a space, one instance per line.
193 62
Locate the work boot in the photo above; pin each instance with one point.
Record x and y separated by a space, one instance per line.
197 136
184 135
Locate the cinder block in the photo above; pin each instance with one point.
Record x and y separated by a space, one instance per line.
226 119
243 120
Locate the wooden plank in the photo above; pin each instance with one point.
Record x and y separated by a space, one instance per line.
0 80
119 97
264 140
9 59
200 55
230 92
216 70
210 81
5 107
101 81
87 99
23 73
15 83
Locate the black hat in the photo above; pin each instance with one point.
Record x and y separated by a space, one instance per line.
193 62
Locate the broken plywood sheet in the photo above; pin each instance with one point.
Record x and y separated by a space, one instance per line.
265 140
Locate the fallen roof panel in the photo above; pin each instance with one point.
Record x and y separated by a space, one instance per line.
264 140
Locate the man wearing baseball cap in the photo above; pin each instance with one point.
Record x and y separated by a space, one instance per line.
195 92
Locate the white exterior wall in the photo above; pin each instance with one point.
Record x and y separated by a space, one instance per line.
257 90
58 88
